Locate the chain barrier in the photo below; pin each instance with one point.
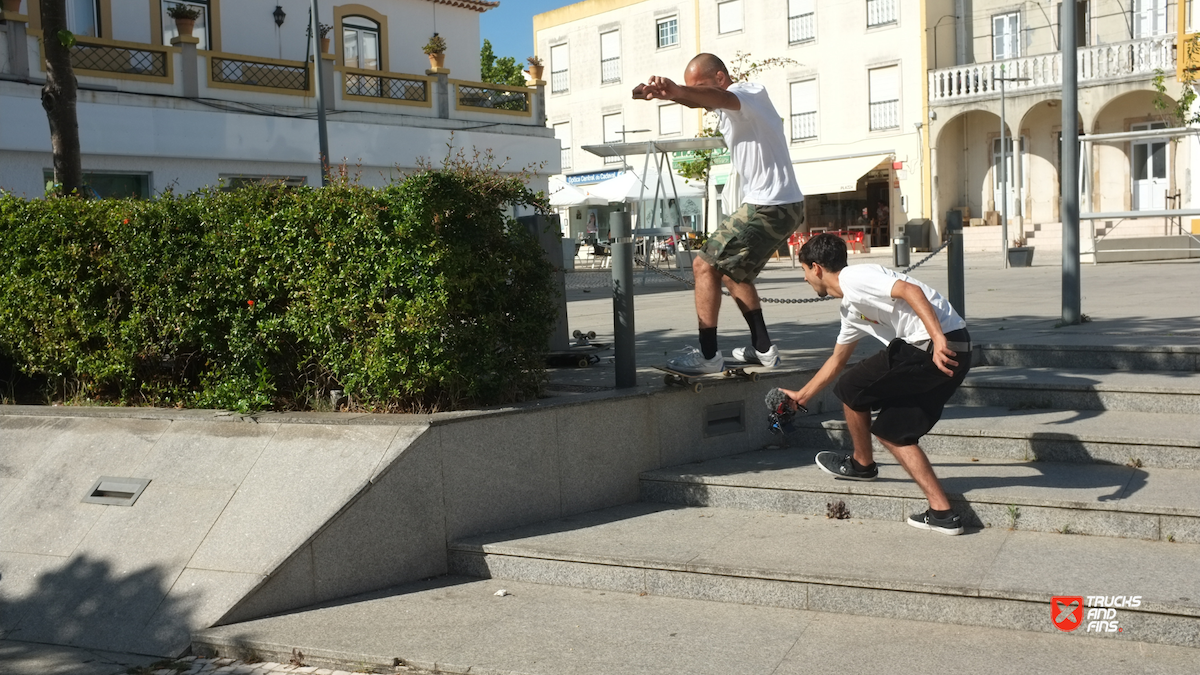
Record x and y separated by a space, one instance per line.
645 264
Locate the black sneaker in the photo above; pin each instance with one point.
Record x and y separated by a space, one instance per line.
928 521
837 464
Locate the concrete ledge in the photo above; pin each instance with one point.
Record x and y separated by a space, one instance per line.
986 578
1071 357
1036 388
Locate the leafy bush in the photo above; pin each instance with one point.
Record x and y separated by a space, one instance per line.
422 295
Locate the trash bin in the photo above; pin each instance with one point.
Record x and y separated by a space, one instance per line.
900 252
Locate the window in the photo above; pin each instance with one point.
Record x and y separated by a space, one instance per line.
1006 32
563 133
670 119
804 110
610 57
559 60
1083 23
885 97
238 180
614 127
1149 18
360 43
82 17
729 17
802 20
110 185
200 32
668 32
881 12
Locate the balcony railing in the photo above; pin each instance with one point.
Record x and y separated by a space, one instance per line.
804 126
885 115
881 12
610 70
559 81
493 98
802 28
1096 65
120 58
288 76
389 87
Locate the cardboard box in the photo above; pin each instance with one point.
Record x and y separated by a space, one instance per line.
992 217
977 222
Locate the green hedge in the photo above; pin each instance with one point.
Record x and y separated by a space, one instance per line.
422 295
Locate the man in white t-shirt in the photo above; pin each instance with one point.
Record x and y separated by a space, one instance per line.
772 206
927 355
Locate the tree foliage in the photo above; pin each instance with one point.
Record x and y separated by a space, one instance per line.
502 70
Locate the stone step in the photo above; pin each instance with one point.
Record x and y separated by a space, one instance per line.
1184 357
1158 440
1052 388
989 577
459 625
1093 499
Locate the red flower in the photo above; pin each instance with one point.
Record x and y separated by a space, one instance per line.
250 302
126 221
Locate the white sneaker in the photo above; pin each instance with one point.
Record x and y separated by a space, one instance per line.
693 362
767 359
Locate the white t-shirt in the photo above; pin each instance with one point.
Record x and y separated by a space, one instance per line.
868 308
759 148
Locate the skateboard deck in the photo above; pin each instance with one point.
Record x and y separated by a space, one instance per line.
696 382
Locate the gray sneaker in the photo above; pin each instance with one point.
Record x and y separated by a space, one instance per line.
837 464
751 356
928 521
692 362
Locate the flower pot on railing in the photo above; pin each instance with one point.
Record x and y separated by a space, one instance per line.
324 45
437 60
184 27
13 6
535 73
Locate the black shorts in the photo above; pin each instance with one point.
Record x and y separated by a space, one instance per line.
904 385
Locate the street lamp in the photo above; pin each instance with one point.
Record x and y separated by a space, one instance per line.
279 15
1004 171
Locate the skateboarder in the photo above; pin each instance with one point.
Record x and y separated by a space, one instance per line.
927 355
773 208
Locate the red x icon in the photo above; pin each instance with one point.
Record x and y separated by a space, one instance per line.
1066 612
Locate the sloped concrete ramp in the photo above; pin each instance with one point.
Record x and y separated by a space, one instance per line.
227 504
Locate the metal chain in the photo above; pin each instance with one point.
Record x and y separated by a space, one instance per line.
645 263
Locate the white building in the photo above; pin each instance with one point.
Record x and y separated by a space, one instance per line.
852 104
1121 47
238 100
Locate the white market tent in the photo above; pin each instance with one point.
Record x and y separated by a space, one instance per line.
565 195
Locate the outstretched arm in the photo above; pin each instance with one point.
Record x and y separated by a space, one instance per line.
833 365
662 88
943 358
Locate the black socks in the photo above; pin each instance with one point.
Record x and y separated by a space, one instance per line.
758 330
708 342
856 465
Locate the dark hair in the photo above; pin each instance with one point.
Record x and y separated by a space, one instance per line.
826 250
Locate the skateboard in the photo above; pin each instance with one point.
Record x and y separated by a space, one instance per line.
696 382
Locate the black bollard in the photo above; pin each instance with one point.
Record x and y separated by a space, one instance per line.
955 267
620 228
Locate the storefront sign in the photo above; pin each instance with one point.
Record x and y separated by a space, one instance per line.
594 177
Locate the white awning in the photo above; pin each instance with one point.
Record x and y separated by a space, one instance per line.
835 175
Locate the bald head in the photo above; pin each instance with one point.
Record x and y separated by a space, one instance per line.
706 65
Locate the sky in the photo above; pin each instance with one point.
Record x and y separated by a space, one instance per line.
510 26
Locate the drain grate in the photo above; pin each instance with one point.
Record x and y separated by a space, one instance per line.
116 491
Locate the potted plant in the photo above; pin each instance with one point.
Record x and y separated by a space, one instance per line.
12 6
1019 254
535 68
324 29
436 50
185 18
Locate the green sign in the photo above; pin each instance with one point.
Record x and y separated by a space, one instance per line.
719 156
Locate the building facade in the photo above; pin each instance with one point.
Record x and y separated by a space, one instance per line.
1008 48
236 101
850 99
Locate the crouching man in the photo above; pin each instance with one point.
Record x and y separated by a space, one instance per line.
927 355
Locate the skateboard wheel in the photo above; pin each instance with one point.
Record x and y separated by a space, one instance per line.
697 387
577 334
754 377
583 362
591 334
668 380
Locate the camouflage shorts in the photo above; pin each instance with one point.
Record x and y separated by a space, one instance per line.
742 245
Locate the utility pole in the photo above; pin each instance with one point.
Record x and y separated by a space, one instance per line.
322 133
1069 181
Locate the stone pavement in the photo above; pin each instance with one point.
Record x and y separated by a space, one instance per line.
1150 303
